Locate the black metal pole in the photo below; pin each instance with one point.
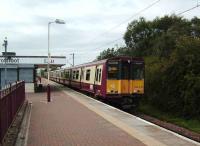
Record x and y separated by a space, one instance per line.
5 71
48 93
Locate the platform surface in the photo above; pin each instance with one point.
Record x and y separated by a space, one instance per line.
74 119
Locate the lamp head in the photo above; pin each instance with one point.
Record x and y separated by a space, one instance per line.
59 21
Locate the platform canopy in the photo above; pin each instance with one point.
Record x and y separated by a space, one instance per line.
40 61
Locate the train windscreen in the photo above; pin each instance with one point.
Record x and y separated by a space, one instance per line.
138 71
113 70
125 70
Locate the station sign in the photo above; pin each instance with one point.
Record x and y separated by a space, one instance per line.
40 60
9 61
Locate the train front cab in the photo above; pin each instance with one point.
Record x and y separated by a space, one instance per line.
125 80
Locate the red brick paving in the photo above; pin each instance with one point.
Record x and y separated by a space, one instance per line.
65 122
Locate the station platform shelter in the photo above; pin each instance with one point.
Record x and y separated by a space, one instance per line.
25 68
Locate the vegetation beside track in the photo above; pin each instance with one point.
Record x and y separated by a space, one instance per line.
190 124
170 46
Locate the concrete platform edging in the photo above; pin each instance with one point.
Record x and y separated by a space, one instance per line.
146 140
22 137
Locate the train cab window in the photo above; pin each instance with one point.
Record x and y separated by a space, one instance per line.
125 70
77 74
88 74
113 70
138 71
99 75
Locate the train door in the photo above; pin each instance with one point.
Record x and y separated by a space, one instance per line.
97 80
81 77
70 77
125 76
113 85
137 78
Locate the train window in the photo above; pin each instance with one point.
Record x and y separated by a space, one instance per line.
77 74
113 70
74 75
125 70
138 71
88 74
67 75
99 75
62 74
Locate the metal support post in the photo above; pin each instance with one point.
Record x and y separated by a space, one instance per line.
58 21
5 58
48 74
48 93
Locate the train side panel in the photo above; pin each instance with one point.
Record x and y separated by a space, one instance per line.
91 80
118 79
75 78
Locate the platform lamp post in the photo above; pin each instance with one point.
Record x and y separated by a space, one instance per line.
58 21
72 58
5 44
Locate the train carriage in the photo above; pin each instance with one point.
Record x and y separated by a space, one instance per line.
118 79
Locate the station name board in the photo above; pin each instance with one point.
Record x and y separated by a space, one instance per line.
10 61
32 60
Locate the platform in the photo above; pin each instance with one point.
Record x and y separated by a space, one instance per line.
74 119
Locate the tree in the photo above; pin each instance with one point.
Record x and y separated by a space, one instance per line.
170 46
106 54
137 37
155 37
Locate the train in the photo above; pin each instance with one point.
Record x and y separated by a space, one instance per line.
119 80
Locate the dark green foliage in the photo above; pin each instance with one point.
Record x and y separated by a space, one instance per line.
155 37
185 66
173 84
107 54
171 48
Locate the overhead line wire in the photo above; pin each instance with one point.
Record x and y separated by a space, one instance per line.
109 43
141 11
144 9
189 9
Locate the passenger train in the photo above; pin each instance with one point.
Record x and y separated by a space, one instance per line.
119 79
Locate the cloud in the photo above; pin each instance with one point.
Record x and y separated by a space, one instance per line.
25 24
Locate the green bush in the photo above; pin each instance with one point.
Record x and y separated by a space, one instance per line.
171 48
173 84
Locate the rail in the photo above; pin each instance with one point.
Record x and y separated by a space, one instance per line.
11 99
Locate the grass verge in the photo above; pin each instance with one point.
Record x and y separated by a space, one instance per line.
191 124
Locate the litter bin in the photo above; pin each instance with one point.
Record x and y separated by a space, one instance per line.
40 87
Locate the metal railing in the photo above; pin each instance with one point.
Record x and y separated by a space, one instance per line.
11 99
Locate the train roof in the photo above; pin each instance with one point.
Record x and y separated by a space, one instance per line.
105 60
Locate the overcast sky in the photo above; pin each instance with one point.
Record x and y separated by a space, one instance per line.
24 23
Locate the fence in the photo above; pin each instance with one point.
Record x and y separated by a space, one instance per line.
11 98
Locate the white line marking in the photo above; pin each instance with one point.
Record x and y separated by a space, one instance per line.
28 125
